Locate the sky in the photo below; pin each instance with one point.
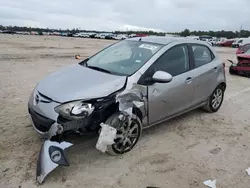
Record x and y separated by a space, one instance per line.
111 15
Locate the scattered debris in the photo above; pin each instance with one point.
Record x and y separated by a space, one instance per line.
54 130
77 56
131 98
106 137
215 151
210 183
248 171
51 155
6 170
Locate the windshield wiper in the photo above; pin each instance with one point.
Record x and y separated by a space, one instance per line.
98 68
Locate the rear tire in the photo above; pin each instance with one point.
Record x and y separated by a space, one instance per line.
215 100
127 134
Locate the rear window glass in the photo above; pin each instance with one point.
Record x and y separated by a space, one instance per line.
202 55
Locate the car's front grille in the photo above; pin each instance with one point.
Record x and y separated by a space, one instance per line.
41 123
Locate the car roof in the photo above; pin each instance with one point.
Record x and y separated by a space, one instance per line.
166 40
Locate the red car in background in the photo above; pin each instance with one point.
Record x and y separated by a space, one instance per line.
243 65
227 43
141 35
243 49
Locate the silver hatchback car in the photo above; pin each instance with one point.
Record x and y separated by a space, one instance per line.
128 86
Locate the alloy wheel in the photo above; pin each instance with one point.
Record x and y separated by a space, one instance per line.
217 98
127 136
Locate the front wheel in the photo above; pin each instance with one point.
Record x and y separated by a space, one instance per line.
215 100
128 133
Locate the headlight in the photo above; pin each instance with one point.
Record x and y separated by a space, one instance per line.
75 110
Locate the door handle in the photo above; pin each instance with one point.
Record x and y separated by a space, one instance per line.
215 69
189 80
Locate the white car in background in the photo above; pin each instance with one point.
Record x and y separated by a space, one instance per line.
85 35
244 41
104 35
120 37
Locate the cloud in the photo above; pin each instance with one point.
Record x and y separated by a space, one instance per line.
159 15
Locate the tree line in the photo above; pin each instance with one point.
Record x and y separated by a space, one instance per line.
218 34
185 33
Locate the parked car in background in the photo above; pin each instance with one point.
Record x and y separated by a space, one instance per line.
109 36
120 37
244 41
213 41
220 40
205 37
141 35
76 35
243 49
91 35
236 44
132 35
64 34
242 67
103 35
81 34
23 32
9 32
227 43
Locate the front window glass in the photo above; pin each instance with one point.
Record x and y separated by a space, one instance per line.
175 61
123 58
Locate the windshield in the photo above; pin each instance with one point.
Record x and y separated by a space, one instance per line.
123 58
247 52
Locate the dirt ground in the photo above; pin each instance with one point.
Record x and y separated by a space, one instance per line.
181 153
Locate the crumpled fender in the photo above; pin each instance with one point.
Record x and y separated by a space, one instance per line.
51 155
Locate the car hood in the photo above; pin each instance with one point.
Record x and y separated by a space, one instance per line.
246 56
78 82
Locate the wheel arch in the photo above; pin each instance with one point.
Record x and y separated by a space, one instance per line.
223 84
138 112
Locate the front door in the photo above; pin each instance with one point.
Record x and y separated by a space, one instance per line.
167 99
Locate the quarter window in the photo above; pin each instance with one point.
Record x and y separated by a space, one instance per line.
202 55
175 61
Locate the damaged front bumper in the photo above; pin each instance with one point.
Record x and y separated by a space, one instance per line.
51 155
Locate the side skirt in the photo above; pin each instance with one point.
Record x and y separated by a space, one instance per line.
175 115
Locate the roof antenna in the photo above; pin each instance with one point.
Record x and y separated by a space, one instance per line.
139 39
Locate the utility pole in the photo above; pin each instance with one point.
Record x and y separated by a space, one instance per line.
241 27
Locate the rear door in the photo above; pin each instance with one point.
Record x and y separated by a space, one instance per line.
206 70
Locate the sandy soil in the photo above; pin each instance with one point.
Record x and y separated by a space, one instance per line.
180 153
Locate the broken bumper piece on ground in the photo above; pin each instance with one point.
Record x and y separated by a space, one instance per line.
106 137
51 155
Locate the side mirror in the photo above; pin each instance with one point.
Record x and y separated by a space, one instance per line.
162 77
